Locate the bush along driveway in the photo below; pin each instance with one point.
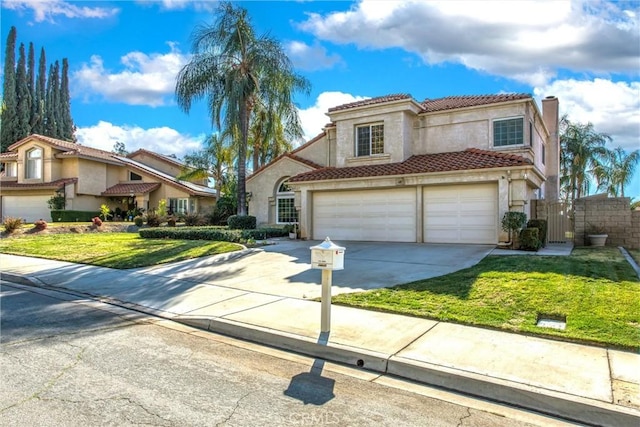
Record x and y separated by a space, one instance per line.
595 290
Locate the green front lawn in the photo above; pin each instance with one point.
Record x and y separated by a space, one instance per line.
115 250
595 288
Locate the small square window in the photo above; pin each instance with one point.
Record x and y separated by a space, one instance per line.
369 140
508 132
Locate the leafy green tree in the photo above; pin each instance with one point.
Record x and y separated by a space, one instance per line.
40 100
23 98
52 103
67 128
236 70
213 161
620 170
9 98
583 155
31 83
119 149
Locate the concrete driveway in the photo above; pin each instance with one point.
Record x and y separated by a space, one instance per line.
283 268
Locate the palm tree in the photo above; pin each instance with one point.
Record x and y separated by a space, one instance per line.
269 136
236 70
621 169
213 161
582 155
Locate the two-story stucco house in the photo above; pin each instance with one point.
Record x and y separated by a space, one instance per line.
39 167
395 169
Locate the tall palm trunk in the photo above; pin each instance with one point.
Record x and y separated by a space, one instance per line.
242 159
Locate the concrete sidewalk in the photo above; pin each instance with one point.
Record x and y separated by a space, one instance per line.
590 385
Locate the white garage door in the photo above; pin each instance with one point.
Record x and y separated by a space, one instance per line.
461 214
31 208
366 215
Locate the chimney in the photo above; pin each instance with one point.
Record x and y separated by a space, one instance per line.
552 154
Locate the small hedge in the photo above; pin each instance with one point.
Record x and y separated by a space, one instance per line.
541 225
73 216
241 222
529 240
210 233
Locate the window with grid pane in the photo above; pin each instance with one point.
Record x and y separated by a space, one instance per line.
34 164
285 206
369 140
508 132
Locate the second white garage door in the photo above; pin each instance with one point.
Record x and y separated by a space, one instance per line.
367 215
461 214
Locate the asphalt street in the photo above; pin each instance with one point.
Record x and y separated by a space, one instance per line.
67 361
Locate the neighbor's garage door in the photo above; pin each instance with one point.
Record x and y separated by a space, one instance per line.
31 208
367 215
461 214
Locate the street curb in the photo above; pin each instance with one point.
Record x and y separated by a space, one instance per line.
574 408
562 405
351 356
566 406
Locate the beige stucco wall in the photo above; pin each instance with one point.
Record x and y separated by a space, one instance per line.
264 186
319 152
92 177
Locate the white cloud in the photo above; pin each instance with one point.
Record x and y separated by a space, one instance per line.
162 140
315 118
310 58
199 5
612 107
49 9
525 40
146 80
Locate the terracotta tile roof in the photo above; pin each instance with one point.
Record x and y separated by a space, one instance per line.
8 156
453 102
289 155
53 185
292 155
469 159
372 101
157 156
127 189
69 149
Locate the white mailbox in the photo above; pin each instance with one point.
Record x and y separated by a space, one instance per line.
327 256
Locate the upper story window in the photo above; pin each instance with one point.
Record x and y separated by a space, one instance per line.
508 132
34 164
369 140
134 177
10 169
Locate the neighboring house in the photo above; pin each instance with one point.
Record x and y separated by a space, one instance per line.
39 167
394 169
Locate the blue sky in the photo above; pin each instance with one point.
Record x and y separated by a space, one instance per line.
124 56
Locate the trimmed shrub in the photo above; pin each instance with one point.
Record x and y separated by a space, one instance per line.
541 225
11 224
263 233
138 221
241 222
40 225
192 233
73 216
529 240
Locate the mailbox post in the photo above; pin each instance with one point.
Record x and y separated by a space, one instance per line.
327 256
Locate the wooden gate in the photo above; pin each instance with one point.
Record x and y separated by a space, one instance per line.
560 226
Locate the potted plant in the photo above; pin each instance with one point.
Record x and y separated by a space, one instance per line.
597 234
513 222
291 229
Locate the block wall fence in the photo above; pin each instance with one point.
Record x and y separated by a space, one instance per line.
612 215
